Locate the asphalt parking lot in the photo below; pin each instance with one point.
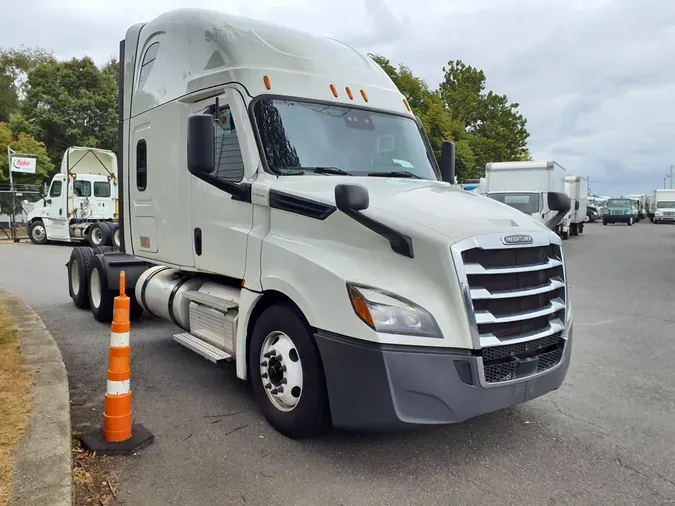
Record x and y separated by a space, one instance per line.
606 437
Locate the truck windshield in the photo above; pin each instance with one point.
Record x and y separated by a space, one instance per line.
665 205
301 137
619 203
525 202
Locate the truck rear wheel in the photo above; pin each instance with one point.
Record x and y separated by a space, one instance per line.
78 281
37 232
99 234
101 298
286 374
115 228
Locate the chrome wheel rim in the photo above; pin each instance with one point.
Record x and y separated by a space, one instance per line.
281 371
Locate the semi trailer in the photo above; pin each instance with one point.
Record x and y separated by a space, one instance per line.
283 208
82 202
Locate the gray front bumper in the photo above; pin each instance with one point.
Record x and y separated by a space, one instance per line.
382 387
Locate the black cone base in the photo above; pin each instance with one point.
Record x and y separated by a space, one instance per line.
140 438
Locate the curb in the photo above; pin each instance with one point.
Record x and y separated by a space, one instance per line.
43 474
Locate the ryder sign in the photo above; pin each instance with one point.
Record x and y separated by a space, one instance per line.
23 164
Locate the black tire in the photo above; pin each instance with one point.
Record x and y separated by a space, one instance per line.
99 234
78 275
581 228
101 298
136 310
310 415
604 222
115 235
37 232
630 222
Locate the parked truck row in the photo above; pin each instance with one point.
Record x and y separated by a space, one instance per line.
530 186
281 205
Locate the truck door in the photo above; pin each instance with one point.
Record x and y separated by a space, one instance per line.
54 214
102 200
220 223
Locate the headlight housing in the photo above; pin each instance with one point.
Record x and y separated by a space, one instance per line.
658 212
385 312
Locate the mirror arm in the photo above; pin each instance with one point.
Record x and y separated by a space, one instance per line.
400 243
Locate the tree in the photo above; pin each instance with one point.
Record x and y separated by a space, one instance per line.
15 64
71 103
496 130
24 143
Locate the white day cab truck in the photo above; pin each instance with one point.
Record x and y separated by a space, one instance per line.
576 188
534 188
662 206
281 206
82 202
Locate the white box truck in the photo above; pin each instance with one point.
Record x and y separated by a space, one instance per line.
531 187
82 201
577 189
663 205
281 206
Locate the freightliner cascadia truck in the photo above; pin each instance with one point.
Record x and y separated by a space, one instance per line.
281 205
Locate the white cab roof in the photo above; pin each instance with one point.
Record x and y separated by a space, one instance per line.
201 49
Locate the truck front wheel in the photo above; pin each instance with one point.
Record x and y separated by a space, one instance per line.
286 375
37 232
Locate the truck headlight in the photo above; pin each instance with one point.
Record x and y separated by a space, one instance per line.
658 212
388 313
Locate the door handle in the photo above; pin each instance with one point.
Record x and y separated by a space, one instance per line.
198 241
60 212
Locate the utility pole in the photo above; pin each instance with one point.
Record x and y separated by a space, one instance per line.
671 177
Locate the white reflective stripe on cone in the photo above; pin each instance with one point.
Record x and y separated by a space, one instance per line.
119 340
119 387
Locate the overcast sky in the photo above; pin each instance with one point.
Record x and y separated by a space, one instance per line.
594 78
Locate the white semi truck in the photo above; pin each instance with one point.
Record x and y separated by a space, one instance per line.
577 189
82 201
531 187
281 206
663 206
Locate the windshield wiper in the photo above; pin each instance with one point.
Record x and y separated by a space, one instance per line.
317 170
395 173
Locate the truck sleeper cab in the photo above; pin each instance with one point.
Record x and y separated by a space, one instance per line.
282 207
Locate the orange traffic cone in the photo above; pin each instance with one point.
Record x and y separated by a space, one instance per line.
119 435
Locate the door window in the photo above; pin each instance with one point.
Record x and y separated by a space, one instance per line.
82 188
101 189
55 190
227 153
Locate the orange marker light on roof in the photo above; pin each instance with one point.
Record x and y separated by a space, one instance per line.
349 93
407 105
363 94
267 82
334 90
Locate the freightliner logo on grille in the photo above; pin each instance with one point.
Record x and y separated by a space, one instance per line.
517 239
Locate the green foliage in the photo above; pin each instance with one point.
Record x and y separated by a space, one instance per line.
24 143
484 126
15 64
71 103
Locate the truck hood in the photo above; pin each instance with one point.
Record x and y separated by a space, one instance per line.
454 213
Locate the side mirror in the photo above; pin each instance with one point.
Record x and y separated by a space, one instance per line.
558 201
200 143
351 197
448 162
48 201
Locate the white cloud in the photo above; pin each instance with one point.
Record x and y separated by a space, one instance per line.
593 77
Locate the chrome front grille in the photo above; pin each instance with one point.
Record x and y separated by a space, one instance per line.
515 296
